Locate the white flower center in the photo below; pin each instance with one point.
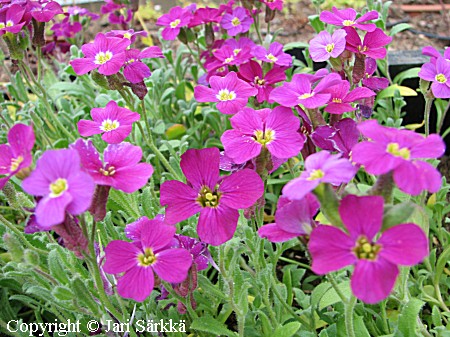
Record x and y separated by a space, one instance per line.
348 23
103 57
226 95
109 125
58 187
236 22
306 95
175 23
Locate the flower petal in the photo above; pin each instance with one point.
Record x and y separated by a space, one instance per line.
217 225
241 189
180 200
201 167
120 256
172 265
137 283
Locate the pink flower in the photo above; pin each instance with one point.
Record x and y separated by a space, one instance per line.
17 155
45 11
274 55
434 54
373 82
11 19
230 92
236 22
346 18
373 45
114 122
140 263
135 70
293 218
320 167
324 45
276 130
252 73
217 199
397 150
341 97
121 167
205 15
273 4
129 34
300 91
66 28
439 75
376 261
75 10
107 54
63 186
174 20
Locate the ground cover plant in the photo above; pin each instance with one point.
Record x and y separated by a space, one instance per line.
214 185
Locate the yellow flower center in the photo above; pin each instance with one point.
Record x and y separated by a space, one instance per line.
237 51
175 23
229 59
235 22
316 174
15 162
362 49
259 81
329 47
306 95
2 25
348 23
130 61
9 23
395 150
103 57
208 198
441 78
110 171
226 95
365 249
271 58
109 125
336 100
127 36
147 258
58 187
264 137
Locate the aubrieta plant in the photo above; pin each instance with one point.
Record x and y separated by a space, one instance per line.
216 182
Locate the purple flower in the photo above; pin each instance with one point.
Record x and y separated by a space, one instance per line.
176 18
373 82
75 10
325 45
114 122
275 130
135 70
300 91
217 199
63 186
11 19
340 137
129 34
205 15
376 262
236 22
346 18
439 74
133 230
229 56
341 97
105 53
65 28
120 169
321 167
273 4
140 263
231 93
45 11
434 54
396 150
372 46
274 55
17 155
199 250
293 218
252 73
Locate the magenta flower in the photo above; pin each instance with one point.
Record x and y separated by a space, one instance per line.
276 130
63 186
293 218
372 46
434 54
75 10
373 82
341 97
332 249
139 264
129 34
217 199
325 45
11 19
107 54
274 55
173 21
199 250
439 74
239 21
273 4
252 73
230 92
133 230
300 91
347 18
17 155
65 28
228 56
45 11
113 122
341 136
320 167
396 150
135 70
205 15
121 167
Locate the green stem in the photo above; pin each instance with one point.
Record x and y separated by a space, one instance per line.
349 306
384 320
256 19
282 258
428 105
334 283
441 122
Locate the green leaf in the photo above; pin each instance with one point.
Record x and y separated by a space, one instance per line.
287 330
83 295
62 293
399 28
407 320
410 73
397 214
210 325
56 269
295 45
443 259
360 328
331 297
390 91
316 23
